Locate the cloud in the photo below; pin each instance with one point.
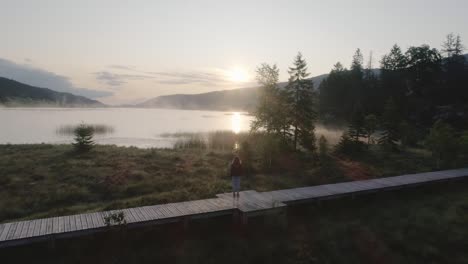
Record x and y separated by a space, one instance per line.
206 78
117 79
120 75
41 78
122 67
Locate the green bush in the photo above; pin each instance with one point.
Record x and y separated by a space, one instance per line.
83 138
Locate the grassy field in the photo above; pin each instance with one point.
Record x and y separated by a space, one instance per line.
49 180
422 225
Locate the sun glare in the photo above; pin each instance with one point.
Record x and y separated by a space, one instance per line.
236 122
238 75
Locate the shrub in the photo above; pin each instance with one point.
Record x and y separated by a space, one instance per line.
83 138
442 142
348 146
115 218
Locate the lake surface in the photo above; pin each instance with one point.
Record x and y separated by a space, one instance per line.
143 128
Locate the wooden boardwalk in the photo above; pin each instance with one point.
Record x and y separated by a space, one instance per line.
251 203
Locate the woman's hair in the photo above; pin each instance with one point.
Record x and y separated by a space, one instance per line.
236 161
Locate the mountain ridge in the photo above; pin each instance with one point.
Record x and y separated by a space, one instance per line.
17 94
240 99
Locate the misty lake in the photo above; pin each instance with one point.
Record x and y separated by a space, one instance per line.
144 128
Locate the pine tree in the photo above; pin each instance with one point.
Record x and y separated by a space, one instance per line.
356 128
83 138
394 61
452 46
370 125
334 93
390 120
300 91
270 114
455 71
356 81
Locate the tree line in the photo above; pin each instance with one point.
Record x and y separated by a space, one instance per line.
420 93
425 85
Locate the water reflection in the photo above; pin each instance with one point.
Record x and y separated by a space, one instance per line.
236 122
98 129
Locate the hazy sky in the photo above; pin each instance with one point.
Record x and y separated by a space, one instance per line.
128 51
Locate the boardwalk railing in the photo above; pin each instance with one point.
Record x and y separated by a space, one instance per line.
250 203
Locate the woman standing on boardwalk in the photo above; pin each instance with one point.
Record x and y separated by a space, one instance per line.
236 172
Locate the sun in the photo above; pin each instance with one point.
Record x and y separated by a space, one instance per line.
238 75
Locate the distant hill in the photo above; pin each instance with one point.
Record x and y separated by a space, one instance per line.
243 99
227 100
13 93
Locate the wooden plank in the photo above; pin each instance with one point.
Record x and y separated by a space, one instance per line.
313 192
89 221
17 233
211 205
37 227
173 212
62 224
77 222
12 230
151 213
98 220
168 213
279 196
138 215
5 231
84 222
55 225
42 230
160 211
24 231
181 209
30 231
148 213
192 208
204 206
2 227
133 215
49 226
157 211
67 224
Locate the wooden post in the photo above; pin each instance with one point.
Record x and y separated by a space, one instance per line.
245 219
235 216
186 221
51 243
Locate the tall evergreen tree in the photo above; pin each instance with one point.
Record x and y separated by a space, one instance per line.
455 71
334 93
356 84
301 95
394 61
356 128
392 78
370 125
389 125
270 114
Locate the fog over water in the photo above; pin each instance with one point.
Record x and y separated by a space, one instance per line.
142 128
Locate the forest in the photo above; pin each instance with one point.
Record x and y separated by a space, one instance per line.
416 98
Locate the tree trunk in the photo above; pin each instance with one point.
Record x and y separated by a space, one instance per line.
295 137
